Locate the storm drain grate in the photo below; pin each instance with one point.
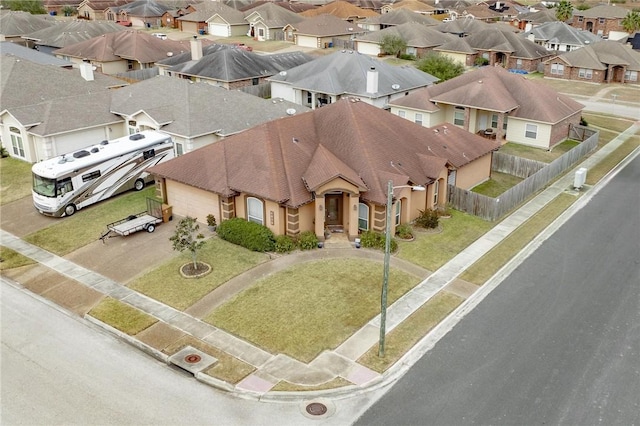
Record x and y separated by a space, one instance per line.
316 409
192 360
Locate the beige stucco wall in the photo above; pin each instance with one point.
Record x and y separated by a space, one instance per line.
189 201
474 173
516 133
459 58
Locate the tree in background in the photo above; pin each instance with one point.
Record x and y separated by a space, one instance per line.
393 45
35 7
564 10
631 22
68 10
440 66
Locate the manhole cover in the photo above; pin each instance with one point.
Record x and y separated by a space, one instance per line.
192 358
316 409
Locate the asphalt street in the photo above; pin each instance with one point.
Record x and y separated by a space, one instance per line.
557 342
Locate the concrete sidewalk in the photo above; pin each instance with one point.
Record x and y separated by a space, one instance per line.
342 362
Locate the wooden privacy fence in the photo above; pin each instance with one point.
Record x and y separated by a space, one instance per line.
494 208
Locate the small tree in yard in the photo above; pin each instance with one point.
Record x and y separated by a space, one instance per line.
188 238
440 66
393 44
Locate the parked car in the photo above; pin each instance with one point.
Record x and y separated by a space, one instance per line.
243 47
124 23
161 36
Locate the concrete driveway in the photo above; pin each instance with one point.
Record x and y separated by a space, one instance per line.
119 258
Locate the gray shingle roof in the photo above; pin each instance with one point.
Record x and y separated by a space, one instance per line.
462 26
145 8
326 25
603 11
196 109
66 33
24 82
506 41
415 34
274 16
539 17
345 73
561 33
19 51
602 54
206 10
13 24
234 64
402 16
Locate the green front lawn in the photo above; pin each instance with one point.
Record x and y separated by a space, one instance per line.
497 184
432 250
15 179
168 286
538 154
123 317
310 307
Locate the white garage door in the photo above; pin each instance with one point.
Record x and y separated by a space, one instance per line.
306 41
220 30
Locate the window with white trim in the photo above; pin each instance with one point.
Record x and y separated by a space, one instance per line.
179 149
518 64
17 145
255 210
436 189
401 113
494 121
631 75
363 217
418 118
557 69
585 73
398 212
531 131
458 116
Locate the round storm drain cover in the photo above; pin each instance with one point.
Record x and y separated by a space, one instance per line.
192 358
316 409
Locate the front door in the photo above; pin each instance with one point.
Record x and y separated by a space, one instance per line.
333 210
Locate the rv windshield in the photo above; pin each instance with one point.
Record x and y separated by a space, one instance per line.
43 186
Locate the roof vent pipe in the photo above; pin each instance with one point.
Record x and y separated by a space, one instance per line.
372 80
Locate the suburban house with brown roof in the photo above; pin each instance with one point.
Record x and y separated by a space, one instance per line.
497 104
394 18
321 31
416 6
341 9
267 21
347 73
603 20
603 62
420 39
97 10
15 24
497 47
66 33
113 53
325 168
215 18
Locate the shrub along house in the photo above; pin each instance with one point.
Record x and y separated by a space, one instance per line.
327 168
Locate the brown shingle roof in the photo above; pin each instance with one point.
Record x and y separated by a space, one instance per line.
285 159
341 9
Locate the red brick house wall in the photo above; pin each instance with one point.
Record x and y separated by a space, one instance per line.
594 25
560 131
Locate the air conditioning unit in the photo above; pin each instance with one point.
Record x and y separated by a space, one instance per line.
580 178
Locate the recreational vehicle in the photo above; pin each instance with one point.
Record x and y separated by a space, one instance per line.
65 184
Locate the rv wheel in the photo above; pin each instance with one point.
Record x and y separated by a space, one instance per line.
70 210
151 227
139 185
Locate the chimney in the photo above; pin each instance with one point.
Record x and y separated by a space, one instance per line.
372 80
531 37
86 70
196 49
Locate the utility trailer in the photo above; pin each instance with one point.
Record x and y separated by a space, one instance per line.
146 220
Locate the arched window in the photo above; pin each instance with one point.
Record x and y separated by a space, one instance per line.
16 142
363 217
255 210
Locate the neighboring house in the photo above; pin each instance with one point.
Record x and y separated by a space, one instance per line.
498 47
321 31
143 13
343 10
528 21
462 27
55 6
394 18
46 110
493 102
296 7
560 37
66 33
416 6
229 67
325 168
14 25
122 51
344 74
194 114
603 62
603 20
267 21
94 10
420 39
170 18
214 18
375 5
479 12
